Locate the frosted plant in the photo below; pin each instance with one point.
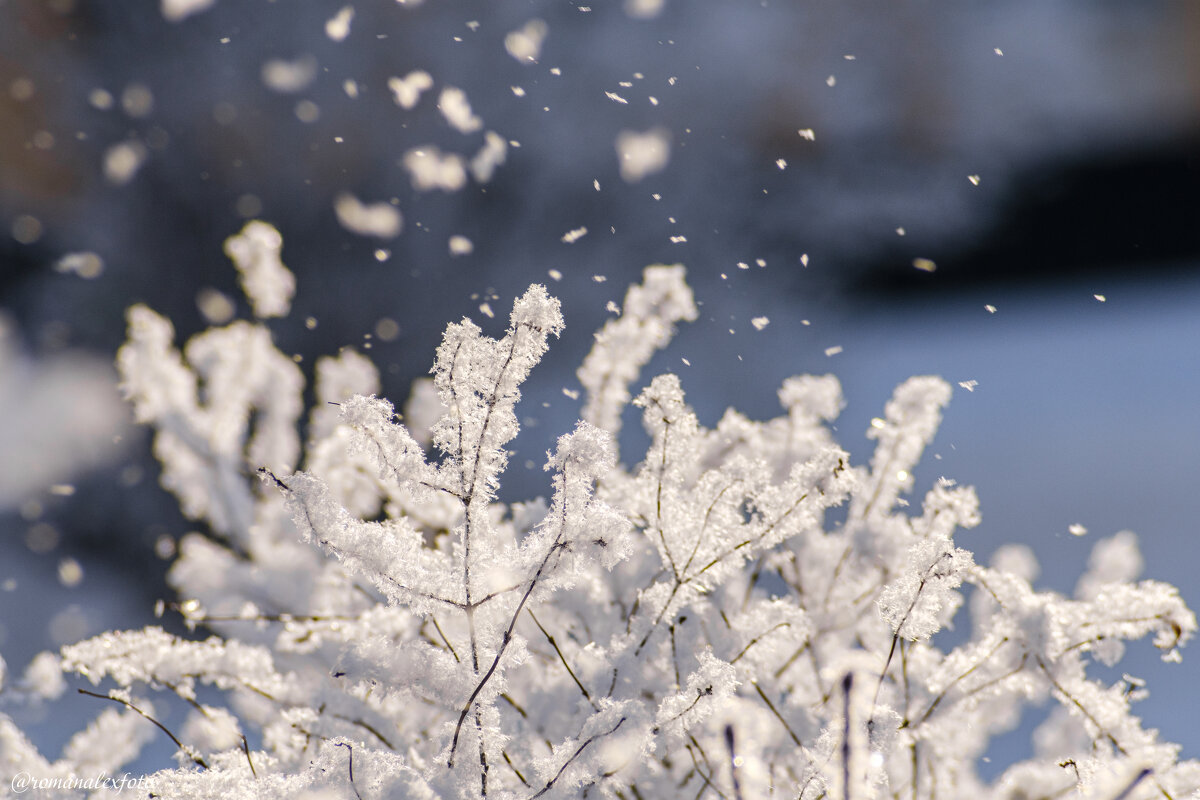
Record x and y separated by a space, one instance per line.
379 625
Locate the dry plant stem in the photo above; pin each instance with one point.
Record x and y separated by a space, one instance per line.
350 767
578 751
196 758
246 750
507 637
563 659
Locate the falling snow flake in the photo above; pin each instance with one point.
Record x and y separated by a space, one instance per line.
380 220
407 90
338 27
642 154
525 44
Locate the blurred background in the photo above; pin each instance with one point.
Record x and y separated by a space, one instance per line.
1004 195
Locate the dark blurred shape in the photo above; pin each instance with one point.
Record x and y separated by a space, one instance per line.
1130 214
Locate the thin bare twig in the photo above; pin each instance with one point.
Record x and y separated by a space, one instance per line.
198 759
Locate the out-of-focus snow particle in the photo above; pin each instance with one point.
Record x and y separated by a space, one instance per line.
248 206
42 538
599 278
457 111
268 284
571 393
429 169
85 265
678 239
137 100
518 91
338 28
612 307
307 111
493 153
991 309
760 322
686 363
382 255
554 275
596 183
968 385
22 89
381 220
644 9
743 265
924 264
556 71
781 163
122 161
224 113
525 44
1077 530
311 323
69 625
486 310
70 573
762 262
998 51
387 329
653 100
461 246
289 77
804 259
100 99
900 231
831 81
974 179
616 98
62 490
1100 297
407 90
350 87
176 10
572 236
641 154
833 351
216 307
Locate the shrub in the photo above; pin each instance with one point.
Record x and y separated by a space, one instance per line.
383 627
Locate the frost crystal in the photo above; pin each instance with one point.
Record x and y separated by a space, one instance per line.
457 111
381 220
430 169
407 90
642 154
525 44
266 281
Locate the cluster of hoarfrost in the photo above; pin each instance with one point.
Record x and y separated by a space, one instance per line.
381 626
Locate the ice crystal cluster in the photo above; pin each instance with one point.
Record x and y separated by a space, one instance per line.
696 621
